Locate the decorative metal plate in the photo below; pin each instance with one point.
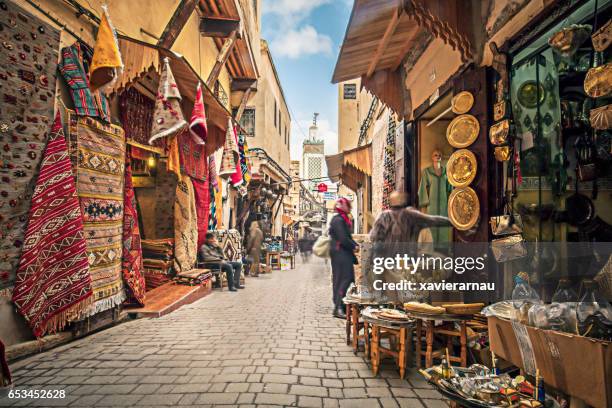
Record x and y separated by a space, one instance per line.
463 208
528 94
461 168
462 102
462 131
598 81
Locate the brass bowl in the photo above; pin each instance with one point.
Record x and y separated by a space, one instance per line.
462 102
462 131
461 168
463 208
598 81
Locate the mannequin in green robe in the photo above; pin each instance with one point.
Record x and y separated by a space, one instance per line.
433 196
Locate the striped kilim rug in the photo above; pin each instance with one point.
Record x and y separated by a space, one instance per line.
98 154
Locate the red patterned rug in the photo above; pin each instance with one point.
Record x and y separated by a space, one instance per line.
132 268
53 284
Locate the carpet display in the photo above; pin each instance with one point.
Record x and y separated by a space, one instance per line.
363 240
98 154
194 277
158 257
197 125
28 61
185 226
212 214
132 267
202 203
231 153
137 118
231 242
245 166
236 177
165 190
167 116
53 284
192 156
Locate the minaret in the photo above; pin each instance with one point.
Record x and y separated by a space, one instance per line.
313 159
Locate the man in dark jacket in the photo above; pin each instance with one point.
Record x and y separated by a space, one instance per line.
211 255
342 254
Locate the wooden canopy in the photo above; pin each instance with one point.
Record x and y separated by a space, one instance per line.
350 166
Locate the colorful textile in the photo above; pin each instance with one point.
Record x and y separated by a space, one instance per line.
137 119
165 192
73 67
197 124
245 166
53 283
212 215
192 157
231 154
26 116
98 155
185 226
132 268
168 117
236 177
202 203
231 243
212 171
106 64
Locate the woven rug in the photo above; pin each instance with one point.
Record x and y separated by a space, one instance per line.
132 268
185 226
192 156
26 116
202 202
231 243
98 154
53 284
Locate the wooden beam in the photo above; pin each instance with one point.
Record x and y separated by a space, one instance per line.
243 102
224 53
384 41
218 26
176 23
242 84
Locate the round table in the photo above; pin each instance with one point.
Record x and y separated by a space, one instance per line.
396 329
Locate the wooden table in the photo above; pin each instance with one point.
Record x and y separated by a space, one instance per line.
273 256
397 332
447 330
354 326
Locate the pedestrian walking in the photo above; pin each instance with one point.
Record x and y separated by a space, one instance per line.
254 247
342 254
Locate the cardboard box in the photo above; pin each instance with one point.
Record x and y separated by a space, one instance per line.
578 366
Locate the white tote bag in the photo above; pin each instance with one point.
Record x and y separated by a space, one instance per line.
321 246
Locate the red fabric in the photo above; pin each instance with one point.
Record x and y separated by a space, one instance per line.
197 124
131 266
343 206
194 162
236 178
202 198
53 284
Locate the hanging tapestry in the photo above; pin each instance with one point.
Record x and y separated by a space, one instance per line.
165 192
231 154
132 268
98 155
197 124
236 177
212 171
231 243
245 166
53 284
167 116
74 66
212 214
137 118
29 60
192 156
106 64
185 226
202 204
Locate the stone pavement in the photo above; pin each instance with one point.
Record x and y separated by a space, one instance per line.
272 344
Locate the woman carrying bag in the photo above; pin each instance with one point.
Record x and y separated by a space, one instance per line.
342 253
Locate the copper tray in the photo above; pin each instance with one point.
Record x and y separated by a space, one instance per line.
461 168
462 102
598 81
462 131
463 208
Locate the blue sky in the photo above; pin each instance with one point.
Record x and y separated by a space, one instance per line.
305 38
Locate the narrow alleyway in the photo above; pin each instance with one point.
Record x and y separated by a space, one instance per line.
274 343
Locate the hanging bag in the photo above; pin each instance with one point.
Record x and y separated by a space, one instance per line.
322 246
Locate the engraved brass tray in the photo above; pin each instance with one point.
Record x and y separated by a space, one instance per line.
463 208
462 102
502 153
461 168
598 81
462 131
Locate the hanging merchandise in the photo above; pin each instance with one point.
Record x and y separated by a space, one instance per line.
26 115
601 118
185 226
202 204
192 156
137 118
236 177
389 164
567 40
168 117
197 124
463 208
212 171
598 81
245 166
461 168
106 64
601 38
73 67
462 102
53 284
212 214
499 133
463 131
98 158
132 267
231 153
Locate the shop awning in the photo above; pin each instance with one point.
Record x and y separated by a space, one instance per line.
360 158
334 166
350 166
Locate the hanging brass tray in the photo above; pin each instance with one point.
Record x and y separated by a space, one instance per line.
598 81
461 168
462 131
463 208
462 102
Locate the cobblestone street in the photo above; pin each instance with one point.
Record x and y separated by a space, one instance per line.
272 344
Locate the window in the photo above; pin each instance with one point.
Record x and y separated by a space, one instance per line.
275 110
280 125
247 121
350 91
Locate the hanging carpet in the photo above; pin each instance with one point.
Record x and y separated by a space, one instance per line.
185 226
98 155
28 62
53 284
192 156
202 202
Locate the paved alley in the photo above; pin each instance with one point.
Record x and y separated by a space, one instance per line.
272 344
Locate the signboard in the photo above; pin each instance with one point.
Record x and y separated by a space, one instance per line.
330 196
322 187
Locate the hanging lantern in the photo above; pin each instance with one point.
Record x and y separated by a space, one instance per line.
151 162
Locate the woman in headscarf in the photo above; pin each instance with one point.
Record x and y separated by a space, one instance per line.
342 254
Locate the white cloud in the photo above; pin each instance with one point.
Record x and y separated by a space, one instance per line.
292 9
305 41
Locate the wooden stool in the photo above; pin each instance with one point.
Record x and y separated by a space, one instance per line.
426 326
399 335
273 260
354 326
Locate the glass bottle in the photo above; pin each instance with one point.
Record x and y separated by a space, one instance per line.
564 292
523 292
592 303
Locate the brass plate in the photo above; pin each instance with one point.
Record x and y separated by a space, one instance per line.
502 153
463 208
529 92
598 81
461 168
462 102
462 131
